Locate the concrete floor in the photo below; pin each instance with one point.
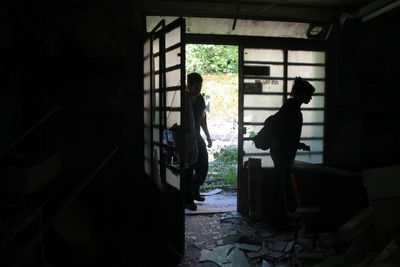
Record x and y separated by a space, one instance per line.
221 202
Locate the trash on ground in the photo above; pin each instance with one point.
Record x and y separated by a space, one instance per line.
212 192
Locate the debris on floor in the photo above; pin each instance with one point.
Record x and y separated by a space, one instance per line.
212 192
370 238
219 255
230 240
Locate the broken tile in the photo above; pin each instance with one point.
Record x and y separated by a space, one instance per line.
205 255
210 247
289 246
279 245
217 255
262 252
246 231
248 247
238 258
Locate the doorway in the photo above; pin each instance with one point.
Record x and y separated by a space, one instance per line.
265 70
218 65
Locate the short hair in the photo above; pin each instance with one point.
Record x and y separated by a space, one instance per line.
301 87
194 78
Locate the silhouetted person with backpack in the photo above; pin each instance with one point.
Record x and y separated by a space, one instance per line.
285 143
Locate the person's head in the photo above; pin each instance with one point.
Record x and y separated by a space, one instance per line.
302 90
194 83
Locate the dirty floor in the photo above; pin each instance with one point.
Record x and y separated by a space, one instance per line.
234 237
223 201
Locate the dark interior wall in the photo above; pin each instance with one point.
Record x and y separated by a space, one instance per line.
363 105
343 118
378 60
85 56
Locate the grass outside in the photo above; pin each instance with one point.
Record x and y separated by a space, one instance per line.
222 172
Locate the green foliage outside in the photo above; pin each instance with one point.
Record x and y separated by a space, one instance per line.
206 59
222 170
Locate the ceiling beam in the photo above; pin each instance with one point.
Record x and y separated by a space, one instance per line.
228 10
376 9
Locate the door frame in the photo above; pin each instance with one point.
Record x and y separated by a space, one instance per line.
172 194
262 43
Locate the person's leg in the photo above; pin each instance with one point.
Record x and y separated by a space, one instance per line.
289 194
200 169
281 218
189 196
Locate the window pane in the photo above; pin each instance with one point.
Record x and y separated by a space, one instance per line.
248 147
312 131
146 118
156 117
257 115
274 55
314 159
172 179
173 37
156 45
146 84
173 98
157 99
266 161
263 101
268 85
306 72
173 117
274 70
146 66
243 27
156 134
146 48
173 58
315 145
173 78
316 102
306 57
156 63
251 130
318 85
313 115
156 153
156 81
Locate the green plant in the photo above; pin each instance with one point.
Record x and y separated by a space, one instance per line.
224 165
211 58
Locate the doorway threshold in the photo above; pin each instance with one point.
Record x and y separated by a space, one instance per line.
225 201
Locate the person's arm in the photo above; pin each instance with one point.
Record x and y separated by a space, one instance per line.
203 124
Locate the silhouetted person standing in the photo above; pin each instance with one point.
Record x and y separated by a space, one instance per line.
190 136
200 118
285 144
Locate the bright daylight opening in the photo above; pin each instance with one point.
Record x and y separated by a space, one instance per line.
218 65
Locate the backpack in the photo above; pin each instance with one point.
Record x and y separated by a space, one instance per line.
263 139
